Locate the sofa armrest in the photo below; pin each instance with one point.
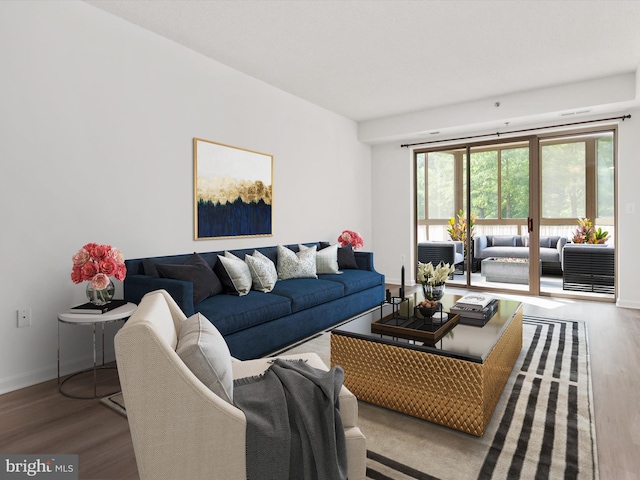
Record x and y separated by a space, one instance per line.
137 286
562 241
459 246
364 260
479 244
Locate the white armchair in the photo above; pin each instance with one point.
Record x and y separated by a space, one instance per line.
179 427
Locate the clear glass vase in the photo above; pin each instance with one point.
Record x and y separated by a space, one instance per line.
433 292
100 297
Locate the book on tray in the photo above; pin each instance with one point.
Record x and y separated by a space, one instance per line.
471 312
97 309
474 301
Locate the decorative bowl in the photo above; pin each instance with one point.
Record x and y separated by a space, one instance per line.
429 311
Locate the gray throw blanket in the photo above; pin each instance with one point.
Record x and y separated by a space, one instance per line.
294 429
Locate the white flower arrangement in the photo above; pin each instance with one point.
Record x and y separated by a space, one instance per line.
430 275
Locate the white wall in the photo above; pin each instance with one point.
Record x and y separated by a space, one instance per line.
392 183
628 228
96 127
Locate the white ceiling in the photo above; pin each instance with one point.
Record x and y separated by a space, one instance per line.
376 58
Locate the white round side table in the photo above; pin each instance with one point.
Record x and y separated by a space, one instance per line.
117 314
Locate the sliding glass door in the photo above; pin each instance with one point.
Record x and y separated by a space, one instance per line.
577 192
520 202
499 185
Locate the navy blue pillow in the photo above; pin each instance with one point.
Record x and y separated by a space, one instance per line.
196 270
150 267
347 258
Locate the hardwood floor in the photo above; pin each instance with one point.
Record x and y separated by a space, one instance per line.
39 420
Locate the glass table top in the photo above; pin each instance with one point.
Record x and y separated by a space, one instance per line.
464 341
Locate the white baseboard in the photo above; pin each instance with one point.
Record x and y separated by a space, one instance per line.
33 377
627 304
396 281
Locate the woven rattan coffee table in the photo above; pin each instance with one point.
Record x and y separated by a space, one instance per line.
455 382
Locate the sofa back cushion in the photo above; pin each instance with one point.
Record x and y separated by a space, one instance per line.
546 242
503 241
205 352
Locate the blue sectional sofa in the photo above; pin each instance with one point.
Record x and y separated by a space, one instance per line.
258 323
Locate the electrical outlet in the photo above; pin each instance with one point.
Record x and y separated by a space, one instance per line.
24 317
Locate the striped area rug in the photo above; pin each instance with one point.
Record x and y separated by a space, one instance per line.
542 428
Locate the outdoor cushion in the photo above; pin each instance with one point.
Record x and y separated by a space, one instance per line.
503 241
546 242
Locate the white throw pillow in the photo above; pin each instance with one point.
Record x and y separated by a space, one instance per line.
205 352
263 271
238 273
296 265
326 259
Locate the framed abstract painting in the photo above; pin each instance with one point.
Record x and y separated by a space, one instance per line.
233 191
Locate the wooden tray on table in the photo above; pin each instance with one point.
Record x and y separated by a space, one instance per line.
414 328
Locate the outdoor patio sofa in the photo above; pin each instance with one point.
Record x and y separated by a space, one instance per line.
588 268
451 252
517 246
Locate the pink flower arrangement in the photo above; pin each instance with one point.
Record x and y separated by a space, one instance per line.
96 263
349 237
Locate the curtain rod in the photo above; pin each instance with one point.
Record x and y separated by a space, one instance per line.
623 118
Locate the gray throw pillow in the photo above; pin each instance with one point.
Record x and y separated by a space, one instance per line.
263 271
205 352
326 259
296 265
503 241
234 274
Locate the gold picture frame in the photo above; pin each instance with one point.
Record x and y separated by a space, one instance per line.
233 191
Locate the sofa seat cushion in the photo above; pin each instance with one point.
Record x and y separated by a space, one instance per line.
354 280
549 254
308 292
231 313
